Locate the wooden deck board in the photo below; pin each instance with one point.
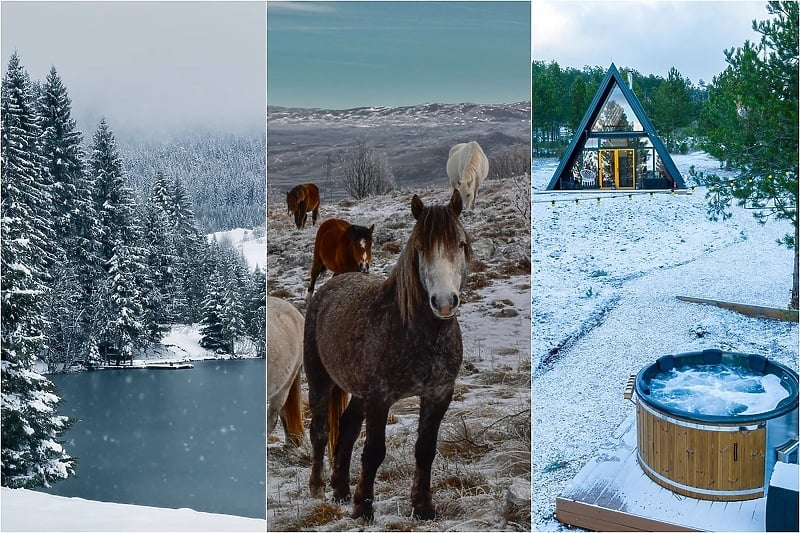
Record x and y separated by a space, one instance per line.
611 493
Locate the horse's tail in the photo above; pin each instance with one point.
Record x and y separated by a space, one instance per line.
292 411
336 406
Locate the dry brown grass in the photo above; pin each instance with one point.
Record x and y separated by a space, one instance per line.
517 268
391 247
319 515
464 483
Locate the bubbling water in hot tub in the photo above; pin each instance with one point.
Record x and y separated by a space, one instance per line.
718 390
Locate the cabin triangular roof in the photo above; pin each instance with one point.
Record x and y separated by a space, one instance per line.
613 79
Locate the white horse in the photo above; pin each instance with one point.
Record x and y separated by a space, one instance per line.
467 167
284 357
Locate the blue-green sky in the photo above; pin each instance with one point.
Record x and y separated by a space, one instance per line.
351 54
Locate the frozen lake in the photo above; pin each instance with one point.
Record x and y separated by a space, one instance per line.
169 438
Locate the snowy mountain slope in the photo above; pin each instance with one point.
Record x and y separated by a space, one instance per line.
605 278
484 444
251 243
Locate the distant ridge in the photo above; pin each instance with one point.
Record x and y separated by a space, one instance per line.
424 112
303 144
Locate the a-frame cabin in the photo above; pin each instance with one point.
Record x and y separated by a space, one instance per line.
616 147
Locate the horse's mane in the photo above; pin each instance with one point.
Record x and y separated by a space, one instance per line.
435 224
357 233
472 166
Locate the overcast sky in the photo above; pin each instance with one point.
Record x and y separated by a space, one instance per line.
650 36
147 66
352 54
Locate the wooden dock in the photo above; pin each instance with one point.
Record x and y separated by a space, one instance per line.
612 493
169 366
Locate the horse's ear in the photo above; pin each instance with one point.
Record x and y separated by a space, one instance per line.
416 206
371 228
456 204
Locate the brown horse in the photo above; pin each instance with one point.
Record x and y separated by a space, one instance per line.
300 200
340 247
383 340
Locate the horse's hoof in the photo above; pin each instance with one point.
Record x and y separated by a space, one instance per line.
424 513
364 510
341 497
317 491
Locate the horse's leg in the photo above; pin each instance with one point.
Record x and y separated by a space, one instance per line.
374 453
317 268
319 389
272 417
349 429
431 412
315 214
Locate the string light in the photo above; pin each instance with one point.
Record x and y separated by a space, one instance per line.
609 195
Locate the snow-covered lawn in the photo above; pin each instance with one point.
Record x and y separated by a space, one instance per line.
605 278
27 510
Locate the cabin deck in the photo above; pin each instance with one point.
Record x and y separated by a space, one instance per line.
612 493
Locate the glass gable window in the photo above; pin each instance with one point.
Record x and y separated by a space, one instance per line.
616 115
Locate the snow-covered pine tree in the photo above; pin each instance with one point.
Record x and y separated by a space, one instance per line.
233 326
120 317
73 222
31 453
213 315
255 316
63 155
163 260
190 245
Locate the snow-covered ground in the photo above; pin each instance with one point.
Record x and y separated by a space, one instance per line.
28 510
605 278
484 442
252 243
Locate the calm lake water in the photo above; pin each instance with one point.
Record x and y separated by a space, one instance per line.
169 438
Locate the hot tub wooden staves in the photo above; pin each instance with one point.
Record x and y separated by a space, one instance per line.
709 462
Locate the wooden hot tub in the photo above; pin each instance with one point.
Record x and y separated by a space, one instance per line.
709 447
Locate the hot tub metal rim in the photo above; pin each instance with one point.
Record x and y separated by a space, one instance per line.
785 406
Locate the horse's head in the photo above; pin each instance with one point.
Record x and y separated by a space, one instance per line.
464 188
443 250
361 239
291 201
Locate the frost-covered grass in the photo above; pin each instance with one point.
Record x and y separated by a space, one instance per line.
605 277
484 442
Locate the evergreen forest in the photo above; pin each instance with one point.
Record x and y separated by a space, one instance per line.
562 95
92 272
